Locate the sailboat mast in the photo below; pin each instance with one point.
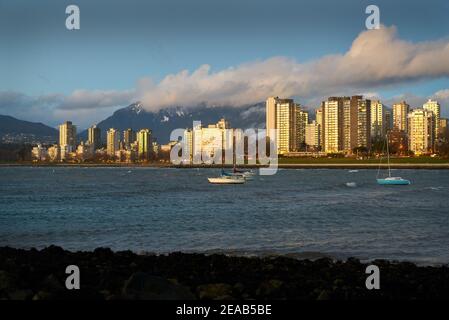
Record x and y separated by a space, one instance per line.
388 157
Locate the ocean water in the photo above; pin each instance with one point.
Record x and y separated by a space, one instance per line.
334 212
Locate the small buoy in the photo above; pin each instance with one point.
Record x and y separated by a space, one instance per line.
351 184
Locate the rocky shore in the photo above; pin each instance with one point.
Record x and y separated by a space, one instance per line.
104 274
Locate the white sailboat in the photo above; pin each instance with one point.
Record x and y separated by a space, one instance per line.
227 179
390 180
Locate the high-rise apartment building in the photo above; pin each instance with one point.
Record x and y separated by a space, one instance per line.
400 116
144 144
67 135
346 122
129 137
319 121
434 106
286 126
282 115
421 131
388 120
67 139
270 114
302 119
289 120
313 135
378 126
188 140
360 123
332 119
112 142
94 136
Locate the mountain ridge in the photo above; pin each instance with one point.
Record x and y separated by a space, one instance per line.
164 121
16 130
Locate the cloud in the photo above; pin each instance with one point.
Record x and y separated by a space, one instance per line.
417 101
442 94
52 109
376 59
85 99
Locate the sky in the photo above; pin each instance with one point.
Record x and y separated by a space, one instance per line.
234 52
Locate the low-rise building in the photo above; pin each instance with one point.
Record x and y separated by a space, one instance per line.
39 153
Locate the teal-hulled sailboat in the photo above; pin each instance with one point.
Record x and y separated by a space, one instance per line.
398 181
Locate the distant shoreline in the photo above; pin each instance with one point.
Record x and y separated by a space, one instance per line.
429 166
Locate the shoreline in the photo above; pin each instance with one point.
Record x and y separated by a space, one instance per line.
107 275
429 166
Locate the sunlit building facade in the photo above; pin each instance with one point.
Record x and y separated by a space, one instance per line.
434 106
421 131
112 142
332 110
313 135
378 125
400 116
144 144
67 136
129 137
94 137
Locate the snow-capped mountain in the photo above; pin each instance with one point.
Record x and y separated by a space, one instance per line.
163 122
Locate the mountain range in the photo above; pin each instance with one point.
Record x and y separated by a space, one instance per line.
15 130
164 121
134 116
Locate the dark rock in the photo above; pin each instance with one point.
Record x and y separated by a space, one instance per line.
26 274
147 287
270 289
53 284
44 295
21 294
7 280
215 291
324 295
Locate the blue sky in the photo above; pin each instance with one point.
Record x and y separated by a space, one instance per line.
121 42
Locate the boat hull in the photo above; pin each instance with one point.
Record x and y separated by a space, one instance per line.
225 181
391 182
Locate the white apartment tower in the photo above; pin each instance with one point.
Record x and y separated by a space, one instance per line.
67 135
112 141
378 127
421 131
434 106
400 114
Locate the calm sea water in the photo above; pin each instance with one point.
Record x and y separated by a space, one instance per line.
163 210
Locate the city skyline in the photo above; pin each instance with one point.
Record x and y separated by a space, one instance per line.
342 125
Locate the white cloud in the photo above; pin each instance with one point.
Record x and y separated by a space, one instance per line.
442 94
85 99
376 59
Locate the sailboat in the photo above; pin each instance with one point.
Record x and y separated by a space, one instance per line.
390 180
248 175
227 178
